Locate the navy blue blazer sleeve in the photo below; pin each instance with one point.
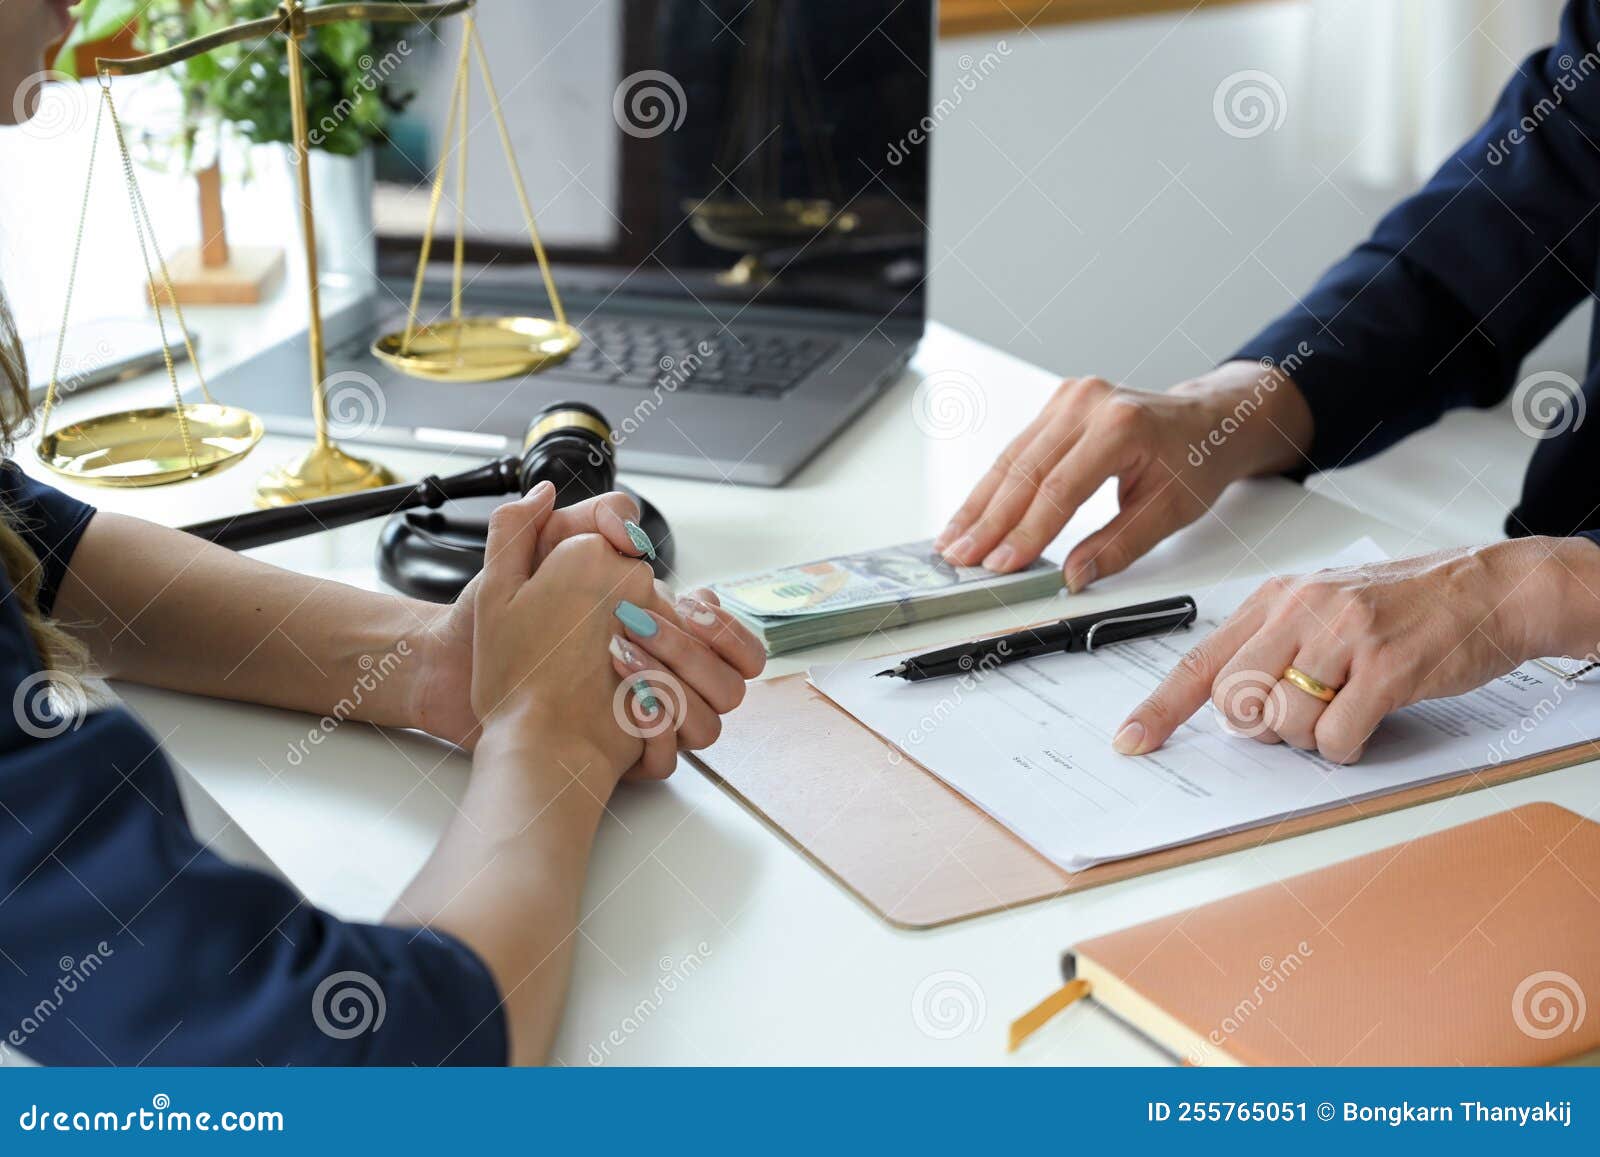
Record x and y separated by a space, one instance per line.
50 522
127 941
124 940
1438 308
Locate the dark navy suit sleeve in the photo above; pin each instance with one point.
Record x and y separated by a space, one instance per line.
124 940
1457 284
176 957
50 522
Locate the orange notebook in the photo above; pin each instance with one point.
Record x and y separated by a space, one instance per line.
1477 945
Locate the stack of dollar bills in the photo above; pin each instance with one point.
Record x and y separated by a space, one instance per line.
841 598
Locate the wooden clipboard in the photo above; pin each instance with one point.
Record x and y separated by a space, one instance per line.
916 851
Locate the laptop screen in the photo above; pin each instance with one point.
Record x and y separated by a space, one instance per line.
738 151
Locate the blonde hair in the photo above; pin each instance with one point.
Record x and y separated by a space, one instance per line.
59 651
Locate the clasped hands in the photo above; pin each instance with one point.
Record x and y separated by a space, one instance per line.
567 637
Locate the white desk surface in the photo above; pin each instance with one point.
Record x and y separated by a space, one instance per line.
784 965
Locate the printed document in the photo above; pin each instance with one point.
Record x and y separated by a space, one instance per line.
1030 742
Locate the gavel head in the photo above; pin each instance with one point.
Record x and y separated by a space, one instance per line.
570 445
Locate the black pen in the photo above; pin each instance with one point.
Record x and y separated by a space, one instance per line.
1082 633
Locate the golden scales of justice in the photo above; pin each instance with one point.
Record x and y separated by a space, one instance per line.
157 445
776 86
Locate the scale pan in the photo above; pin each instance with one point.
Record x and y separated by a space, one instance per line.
478 349
146 447
742 226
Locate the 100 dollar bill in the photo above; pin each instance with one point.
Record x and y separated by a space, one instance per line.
889 575
857 594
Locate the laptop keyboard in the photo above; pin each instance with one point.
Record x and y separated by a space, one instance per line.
635 352
641 353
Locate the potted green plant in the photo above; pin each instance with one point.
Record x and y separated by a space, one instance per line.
239 93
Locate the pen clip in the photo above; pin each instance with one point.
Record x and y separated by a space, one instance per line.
1176 614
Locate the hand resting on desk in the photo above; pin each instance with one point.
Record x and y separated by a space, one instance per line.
1172 454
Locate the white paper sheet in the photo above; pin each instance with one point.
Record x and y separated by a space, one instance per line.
1030 742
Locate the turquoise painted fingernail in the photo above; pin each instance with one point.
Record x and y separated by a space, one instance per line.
647 697
641 540
636 619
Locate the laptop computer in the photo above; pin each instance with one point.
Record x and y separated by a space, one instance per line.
97 353
734 212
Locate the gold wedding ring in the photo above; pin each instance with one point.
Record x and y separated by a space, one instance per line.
1310 686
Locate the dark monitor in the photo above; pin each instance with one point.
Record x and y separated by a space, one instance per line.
732 151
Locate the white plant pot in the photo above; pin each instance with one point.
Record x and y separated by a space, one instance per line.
341 196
